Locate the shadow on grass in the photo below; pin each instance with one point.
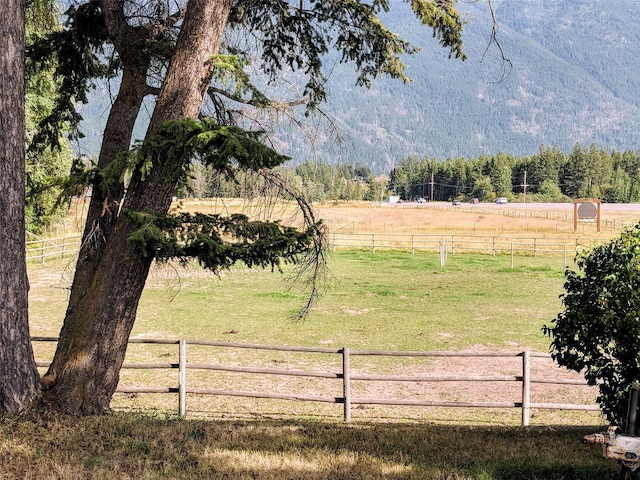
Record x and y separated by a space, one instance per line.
132 446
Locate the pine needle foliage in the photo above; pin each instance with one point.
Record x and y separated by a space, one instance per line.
76 56
217 241
222 147
298 35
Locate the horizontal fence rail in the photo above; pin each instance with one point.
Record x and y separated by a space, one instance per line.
352 381
43 249
58 247
459 244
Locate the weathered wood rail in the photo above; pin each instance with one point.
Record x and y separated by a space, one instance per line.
459 244
57 247
525 376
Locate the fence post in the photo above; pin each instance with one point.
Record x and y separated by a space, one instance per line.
64 245
511 255
446 250
526 387
373 243
42 250
346 384
182 377
413 245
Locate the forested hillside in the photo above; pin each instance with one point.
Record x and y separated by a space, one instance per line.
572 79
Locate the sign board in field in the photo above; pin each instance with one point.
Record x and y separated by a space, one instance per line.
586 210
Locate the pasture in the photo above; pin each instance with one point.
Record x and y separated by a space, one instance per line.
523 219
381 301
391 300
387 300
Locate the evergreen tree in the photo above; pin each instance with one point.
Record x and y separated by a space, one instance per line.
46 166
182 51
19 378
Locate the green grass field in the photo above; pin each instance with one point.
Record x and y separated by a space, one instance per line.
372 301
387 300
384 300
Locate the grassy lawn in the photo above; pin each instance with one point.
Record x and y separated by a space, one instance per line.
384 300
372 300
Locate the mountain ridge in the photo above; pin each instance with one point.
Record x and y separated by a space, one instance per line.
573 79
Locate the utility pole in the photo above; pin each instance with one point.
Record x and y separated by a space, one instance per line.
524 187
431 198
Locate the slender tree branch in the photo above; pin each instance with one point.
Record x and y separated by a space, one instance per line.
507 65
312 270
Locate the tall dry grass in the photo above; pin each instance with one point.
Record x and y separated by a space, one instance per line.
121 447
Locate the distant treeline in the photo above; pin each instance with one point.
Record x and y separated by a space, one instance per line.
548 176
317 181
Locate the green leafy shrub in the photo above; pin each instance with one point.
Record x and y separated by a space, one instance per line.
598 333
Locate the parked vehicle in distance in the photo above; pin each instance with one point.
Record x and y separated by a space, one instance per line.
455 203
474 201
501 200
421 200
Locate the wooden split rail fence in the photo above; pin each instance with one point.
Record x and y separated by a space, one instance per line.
351 380
460 244
492 245
43 249
58 247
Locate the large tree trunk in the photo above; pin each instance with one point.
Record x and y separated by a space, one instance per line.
107 194
85 371
19 378
106 198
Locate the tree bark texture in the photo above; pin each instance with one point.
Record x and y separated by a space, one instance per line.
19 378
85 371
107 197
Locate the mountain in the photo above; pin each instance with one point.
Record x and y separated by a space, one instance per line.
571 76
